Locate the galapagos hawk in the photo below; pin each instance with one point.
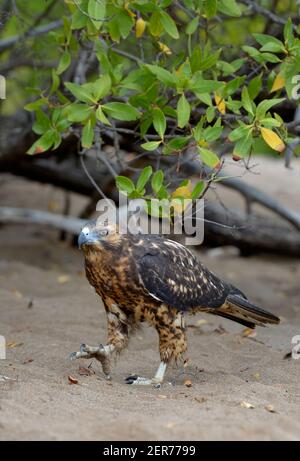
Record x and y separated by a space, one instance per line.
149 278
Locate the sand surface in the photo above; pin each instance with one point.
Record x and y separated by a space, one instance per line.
47 309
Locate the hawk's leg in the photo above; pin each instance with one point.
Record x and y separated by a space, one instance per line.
158 378
117 339
172 343
101 353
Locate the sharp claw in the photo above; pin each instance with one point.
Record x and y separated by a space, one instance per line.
131 377
73 356
82 348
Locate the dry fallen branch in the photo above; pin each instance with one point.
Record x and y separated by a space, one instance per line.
250 235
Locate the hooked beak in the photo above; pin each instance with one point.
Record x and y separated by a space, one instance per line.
87 238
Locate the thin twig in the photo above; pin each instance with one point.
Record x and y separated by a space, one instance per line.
11 41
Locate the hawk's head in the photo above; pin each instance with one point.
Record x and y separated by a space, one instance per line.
95 233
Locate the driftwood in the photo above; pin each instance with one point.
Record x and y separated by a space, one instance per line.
251 234
10 215
221 228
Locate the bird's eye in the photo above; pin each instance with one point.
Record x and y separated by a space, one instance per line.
104 232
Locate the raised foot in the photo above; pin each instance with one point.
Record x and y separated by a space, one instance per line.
100 353
140 381
88 352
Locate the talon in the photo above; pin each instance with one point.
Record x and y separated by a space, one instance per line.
131 377
73 356
82 348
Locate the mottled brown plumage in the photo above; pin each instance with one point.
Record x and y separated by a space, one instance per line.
153 279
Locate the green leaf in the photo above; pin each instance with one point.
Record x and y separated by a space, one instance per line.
101 116
183 111
42 122
162 74
176 144
208 157
240 132
288 33
159 121
101 87
151 145
210 8
264 39
79 112
121 111
243 146
229 7
125 23
144 178
233 85
192 26
56 139
247 103
264 106
125 184
33 106
97 11
55 81
255 86
198 190
87 136
157 181
168 24
80 92
155 25
64 62
199 85
210 114
209 61
212 133
270 122
273 47
42 144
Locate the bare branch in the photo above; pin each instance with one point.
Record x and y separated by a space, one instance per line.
11 41
45 218
264 12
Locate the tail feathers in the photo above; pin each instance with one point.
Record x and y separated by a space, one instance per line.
243 311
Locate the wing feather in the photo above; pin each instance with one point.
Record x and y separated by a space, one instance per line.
172 274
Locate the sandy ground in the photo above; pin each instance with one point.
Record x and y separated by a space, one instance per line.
47 309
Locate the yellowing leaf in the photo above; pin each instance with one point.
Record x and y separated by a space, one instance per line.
249 332
13 344
164 48
270 408
140 26
62 279
203 143
246 405
182 192
278 83
272 139
220 102
128 10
